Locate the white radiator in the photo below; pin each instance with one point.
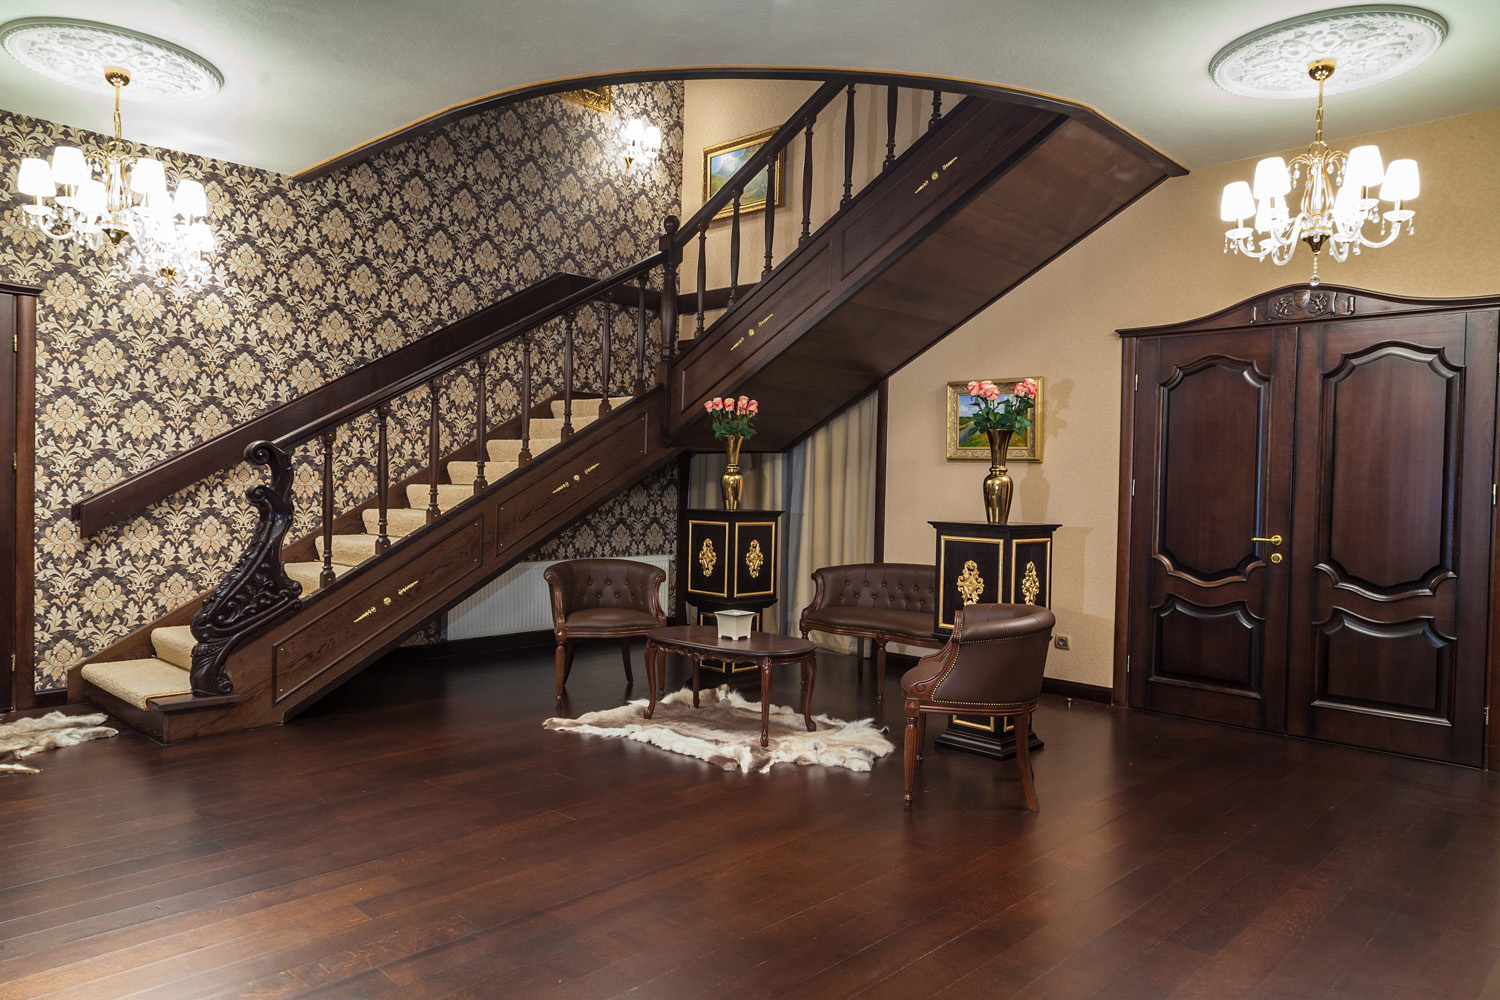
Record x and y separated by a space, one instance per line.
517 601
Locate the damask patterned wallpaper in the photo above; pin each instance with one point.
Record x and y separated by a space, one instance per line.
311 280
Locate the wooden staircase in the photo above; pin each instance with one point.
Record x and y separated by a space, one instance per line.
986 196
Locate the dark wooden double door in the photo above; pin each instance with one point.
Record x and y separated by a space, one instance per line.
1311 530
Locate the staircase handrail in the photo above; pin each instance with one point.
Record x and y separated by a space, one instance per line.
779 139
419 378
136 492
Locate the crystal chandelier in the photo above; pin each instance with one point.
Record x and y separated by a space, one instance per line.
109 195
1338 200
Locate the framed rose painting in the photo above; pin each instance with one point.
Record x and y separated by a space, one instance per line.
965 443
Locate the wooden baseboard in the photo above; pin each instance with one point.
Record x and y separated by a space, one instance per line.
480 645
1075 689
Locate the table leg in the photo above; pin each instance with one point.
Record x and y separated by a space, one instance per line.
810 677
651 675
765 702
697 663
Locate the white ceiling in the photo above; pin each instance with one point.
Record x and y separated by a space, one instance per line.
306 80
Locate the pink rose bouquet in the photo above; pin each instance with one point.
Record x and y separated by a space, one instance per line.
995 409
733 417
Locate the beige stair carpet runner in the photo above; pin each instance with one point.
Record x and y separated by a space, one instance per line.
166 674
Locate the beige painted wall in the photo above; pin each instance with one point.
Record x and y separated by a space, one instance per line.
1157 262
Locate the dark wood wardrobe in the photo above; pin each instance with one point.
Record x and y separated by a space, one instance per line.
17 444
1307 519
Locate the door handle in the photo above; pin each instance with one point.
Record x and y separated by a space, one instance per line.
1274 539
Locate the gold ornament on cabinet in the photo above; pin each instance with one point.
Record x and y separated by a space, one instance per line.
1030 585
970 583
754 559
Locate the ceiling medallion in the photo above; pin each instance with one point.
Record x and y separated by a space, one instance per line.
1371 44
76 53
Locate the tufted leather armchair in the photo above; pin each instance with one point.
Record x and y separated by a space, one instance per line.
992 666
602 599
884 602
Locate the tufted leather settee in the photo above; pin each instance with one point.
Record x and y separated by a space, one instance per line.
883 602
602 599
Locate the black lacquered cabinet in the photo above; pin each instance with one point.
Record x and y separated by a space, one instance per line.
982 563
733 563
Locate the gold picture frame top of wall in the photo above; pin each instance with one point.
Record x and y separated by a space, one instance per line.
720 163
591 97
966 444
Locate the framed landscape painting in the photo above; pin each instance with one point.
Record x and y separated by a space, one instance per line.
967 444
720 163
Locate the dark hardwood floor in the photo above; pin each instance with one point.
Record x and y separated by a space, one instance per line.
419 835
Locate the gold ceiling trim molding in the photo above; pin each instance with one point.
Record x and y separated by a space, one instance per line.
657 74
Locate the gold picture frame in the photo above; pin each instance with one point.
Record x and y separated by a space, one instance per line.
591 97
962 446
722 160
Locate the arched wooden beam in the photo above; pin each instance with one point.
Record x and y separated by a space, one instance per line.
948 85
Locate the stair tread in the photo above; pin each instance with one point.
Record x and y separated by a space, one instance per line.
509 449
174 643
552 426
450 495
399 521
308 573
588 406
349 549
135 681
466 472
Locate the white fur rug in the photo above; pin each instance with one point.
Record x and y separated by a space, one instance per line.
25 737
726 732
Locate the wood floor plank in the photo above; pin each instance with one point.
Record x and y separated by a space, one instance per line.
420 836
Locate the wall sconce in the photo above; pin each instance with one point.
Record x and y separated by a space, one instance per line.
642 142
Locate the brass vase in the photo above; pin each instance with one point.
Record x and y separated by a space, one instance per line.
733 484
997 485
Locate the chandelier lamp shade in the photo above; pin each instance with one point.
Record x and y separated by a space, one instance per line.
641 141
1345 202
109 195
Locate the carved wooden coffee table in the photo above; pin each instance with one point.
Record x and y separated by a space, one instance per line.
764 649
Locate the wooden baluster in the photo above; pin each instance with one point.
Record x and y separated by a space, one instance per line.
326 577
673 254
567 427
734 249
525 453
937 109
770 214
890 127
702 274
605 338
383 478
807 181
433 464
848 148
481 418
640 338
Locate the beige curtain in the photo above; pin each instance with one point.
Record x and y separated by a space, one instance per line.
826 486
830 491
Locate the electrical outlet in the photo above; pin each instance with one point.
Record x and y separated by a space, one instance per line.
1062 641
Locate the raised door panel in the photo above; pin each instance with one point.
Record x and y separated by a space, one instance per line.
1388 629
1207 622
1212 427
1387 481
9 513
